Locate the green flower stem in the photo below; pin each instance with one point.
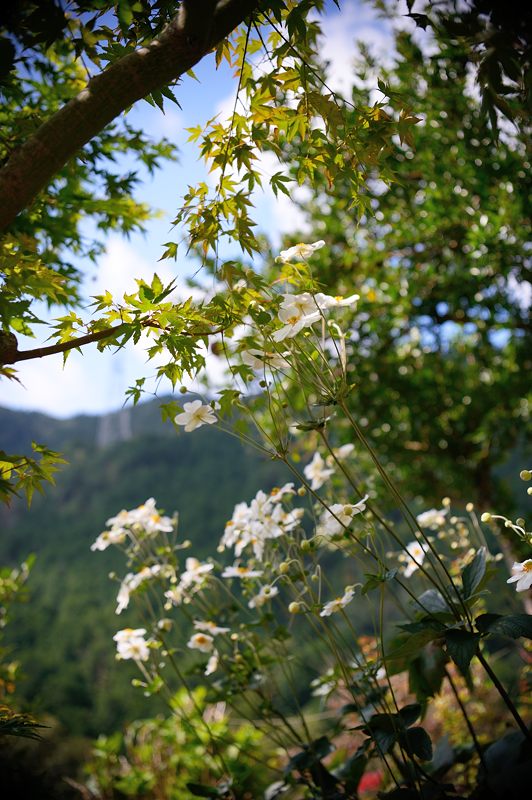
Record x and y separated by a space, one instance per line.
465 715
505 696
407 514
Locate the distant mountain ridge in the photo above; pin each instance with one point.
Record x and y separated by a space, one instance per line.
62 637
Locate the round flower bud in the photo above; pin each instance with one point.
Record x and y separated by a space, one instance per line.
305 545
165 624
525 474
294 608
302 491
470 507
521 522
446 502
486 517
529 490
183 389
284 567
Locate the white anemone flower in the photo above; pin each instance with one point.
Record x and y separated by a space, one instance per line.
258 359
130 644
107 538
522 575
195 572
340 453
328 301
278 492
338 603
316 472
211 627
266 593
241 572
212 663
195 415
300 251
131 582
338 517
202 642
295 324
432 518
416 555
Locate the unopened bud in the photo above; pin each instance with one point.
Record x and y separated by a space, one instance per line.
305 545
520 521
294 608
183 389
470 507
302 491
486 517
525 474
284 567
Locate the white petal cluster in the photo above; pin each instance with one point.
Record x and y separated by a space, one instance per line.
338 517
192 579
210 627
415 555
433 518
266 593
340 453
338 603
299 252
202 642
316 472
300 311
240 571
145 520
251 526
259 359
130 643
194 415
131 582
522 575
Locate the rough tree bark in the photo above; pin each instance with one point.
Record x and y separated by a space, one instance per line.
198 27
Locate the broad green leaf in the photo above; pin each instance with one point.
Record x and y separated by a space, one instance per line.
461 646
473 572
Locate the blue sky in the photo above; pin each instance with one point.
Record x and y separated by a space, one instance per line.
95 382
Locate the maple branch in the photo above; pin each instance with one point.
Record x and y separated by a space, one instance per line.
196 29
10 354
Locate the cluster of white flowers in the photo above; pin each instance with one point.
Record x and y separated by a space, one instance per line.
264 518
316 472
145 519
265 595
131 582
204 642
338 517
300 311
259 359
414 557
130 643
433 518
192 579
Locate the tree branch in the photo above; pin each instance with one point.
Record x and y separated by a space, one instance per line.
10 354
197 28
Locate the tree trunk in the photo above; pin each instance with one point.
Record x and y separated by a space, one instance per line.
198 27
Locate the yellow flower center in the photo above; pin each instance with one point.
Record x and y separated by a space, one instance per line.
527 565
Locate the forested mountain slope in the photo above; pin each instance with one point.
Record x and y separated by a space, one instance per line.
62 637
